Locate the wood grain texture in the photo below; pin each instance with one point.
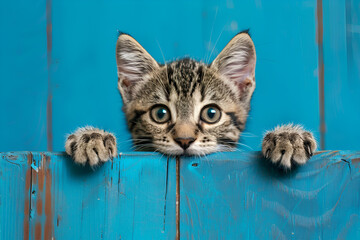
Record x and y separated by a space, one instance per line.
221 196
15 187
82 86
63 76
241 196
132 197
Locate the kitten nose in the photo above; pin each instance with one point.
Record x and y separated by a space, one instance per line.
184 142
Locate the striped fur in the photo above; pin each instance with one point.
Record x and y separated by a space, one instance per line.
186 86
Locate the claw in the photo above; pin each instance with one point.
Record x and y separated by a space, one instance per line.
311 153
110 154
308 151
267 153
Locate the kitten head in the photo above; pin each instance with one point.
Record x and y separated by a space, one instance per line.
186 107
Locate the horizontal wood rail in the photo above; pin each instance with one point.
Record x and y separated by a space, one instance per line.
148 196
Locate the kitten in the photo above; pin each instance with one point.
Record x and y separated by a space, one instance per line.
189 108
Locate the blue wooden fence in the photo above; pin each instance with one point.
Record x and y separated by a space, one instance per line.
222 196
55 56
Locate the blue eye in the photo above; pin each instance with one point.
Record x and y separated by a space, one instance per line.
160 114
210 114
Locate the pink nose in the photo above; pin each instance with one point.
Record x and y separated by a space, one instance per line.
184 142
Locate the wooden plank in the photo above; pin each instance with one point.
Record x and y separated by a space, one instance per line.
15 188
130 198
222 196
342 76
23 74
241 196
75 75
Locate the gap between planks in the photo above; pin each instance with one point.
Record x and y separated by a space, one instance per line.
177 198
319 38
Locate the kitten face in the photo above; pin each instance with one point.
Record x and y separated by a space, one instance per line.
186 107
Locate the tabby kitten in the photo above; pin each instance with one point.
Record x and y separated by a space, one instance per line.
188 108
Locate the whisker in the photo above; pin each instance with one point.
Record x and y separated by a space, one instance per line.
207 62
161 52
211 33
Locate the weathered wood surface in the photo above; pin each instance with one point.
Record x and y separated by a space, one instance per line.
45 195
222 196
240 196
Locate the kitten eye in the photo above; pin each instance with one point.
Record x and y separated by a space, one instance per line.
210 114
160 114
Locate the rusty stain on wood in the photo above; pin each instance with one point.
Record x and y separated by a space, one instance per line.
355 160
41 176
48 208
319 152
319 38
39 206
60 178
38 231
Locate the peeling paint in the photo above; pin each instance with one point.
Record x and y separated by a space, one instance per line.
33 166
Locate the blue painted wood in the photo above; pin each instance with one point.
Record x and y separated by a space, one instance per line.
240 196
132 197
82 73
15 179
23 75
286 71
222 196
342 76
85 70
85 73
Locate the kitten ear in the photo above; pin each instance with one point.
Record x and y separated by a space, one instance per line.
236 63
133 64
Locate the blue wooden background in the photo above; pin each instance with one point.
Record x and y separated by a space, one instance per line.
58 70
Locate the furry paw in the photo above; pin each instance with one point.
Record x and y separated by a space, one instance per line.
91 145
288 146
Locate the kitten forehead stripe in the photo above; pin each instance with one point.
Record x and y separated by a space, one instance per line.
200 75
